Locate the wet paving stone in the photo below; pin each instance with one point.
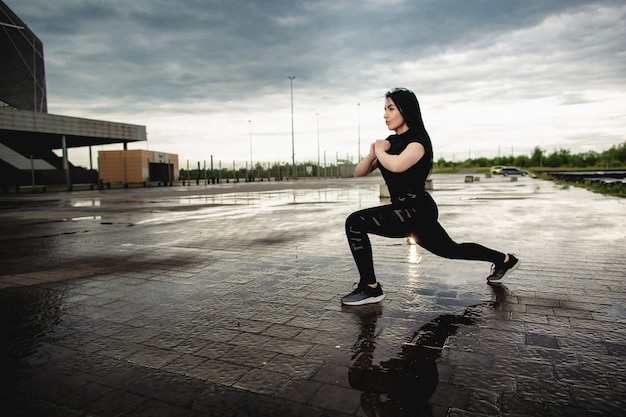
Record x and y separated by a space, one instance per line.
541 340
126 304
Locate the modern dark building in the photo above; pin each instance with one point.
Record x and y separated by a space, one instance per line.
28 133
22 71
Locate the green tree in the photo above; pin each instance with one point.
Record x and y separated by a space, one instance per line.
483 162
590 159
616 153
521 161
537 157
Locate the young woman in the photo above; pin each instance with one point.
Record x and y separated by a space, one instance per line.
405 161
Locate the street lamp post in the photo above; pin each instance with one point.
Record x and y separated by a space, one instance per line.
251 166
293 152
318 144
359 133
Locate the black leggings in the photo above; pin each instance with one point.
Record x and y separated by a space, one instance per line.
418 221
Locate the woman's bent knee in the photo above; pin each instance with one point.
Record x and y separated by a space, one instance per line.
353 221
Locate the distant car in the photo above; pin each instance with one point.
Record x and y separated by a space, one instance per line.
496 169
513 171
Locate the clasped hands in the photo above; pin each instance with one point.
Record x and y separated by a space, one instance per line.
379 146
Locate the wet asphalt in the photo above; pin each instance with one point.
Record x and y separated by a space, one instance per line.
223 300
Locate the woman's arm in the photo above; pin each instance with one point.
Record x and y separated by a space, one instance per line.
367 164
398 163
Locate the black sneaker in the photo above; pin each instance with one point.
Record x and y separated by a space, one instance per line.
498 272
364 294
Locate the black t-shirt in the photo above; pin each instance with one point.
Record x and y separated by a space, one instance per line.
405 187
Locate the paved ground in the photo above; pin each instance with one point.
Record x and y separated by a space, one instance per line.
223 300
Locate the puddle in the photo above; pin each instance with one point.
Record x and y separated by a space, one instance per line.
403 384
75 219
92 202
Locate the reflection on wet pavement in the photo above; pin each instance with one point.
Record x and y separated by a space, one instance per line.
403 384
192 303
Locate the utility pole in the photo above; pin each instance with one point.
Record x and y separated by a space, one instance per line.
293 152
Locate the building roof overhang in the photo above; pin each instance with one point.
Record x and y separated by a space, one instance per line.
44 130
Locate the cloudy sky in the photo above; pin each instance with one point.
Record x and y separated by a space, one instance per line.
210 77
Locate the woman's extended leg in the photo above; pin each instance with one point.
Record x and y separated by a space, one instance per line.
435 239
431 236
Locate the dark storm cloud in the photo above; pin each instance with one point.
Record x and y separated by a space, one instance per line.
143 59
160 50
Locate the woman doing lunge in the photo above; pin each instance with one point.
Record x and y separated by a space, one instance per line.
405 161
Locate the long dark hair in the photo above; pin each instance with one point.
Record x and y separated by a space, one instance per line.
408 106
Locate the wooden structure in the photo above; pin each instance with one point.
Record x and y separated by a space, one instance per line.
138 166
